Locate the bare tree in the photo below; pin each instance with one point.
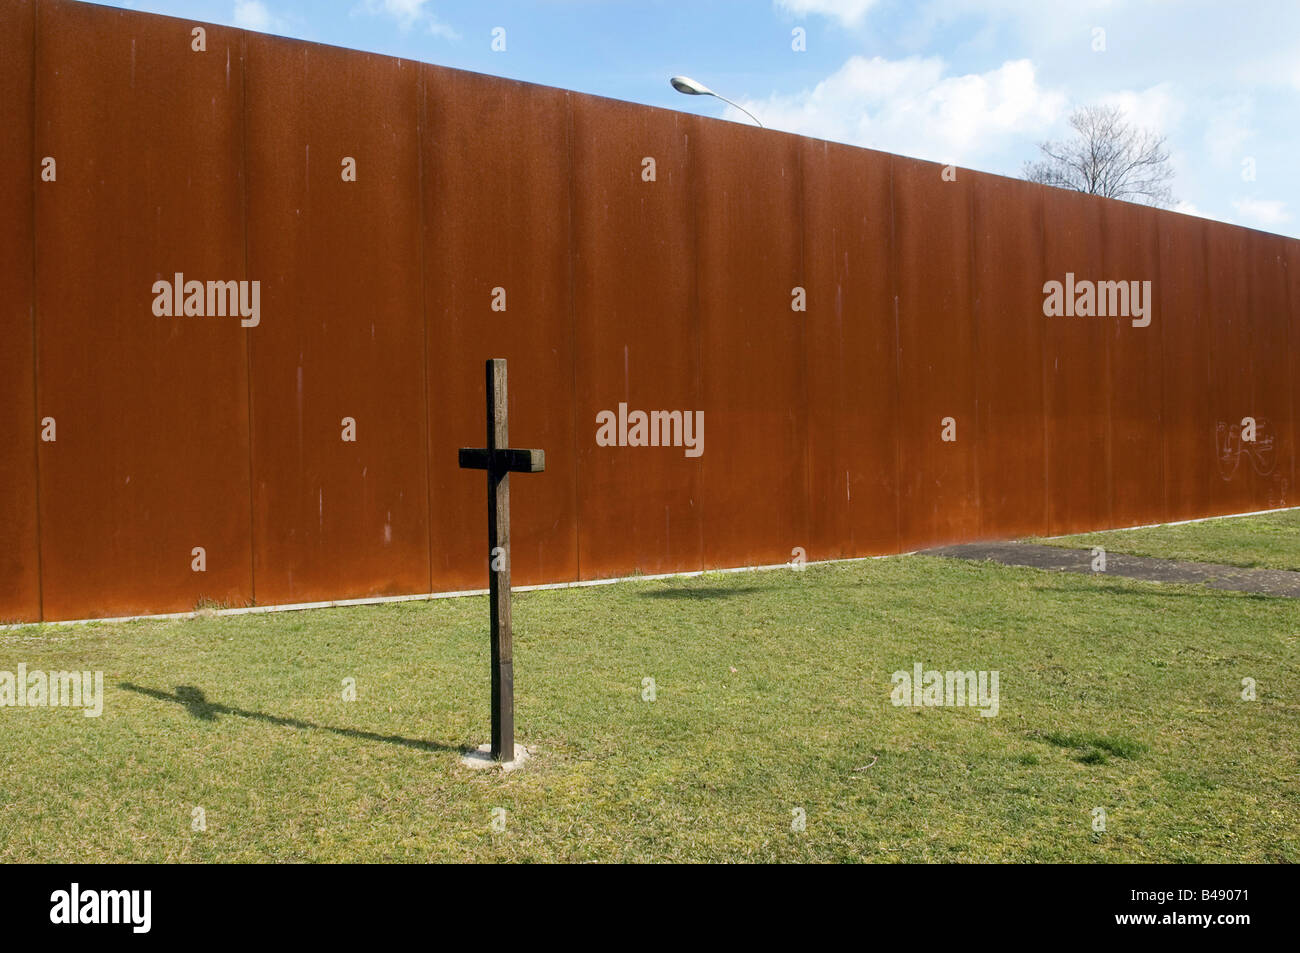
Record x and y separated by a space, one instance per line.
1108 156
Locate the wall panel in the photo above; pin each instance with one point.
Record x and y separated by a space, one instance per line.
151 456
343 334
636 338
1272 458
747 206
1077 376
1131 256
1007 300
1291 261
938 484
496 215
20 594
1232 370
850 340
1182 309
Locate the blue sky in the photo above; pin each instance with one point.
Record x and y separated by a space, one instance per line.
976 82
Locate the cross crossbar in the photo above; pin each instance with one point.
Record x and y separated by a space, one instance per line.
503 461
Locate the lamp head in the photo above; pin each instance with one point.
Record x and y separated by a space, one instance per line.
684 84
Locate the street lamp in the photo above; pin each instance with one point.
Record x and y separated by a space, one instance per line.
684 84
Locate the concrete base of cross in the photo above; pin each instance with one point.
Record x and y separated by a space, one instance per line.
481 757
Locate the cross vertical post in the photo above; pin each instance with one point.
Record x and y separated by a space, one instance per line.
500 461
503 652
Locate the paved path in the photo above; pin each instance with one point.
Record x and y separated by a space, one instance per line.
1270 582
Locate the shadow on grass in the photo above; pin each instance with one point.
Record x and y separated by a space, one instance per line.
704 592
1091 748
199 707
1193 591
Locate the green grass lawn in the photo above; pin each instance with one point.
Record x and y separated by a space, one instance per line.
1271 541
773 693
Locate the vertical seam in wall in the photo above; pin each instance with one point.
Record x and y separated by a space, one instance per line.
31 314
420 101
573 337
898 372
248 336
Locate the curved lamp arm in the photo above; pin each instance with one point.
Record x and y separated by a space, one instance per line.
684 84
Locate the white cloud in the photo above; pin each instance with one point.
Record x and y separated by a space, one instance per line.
1266 68
1265 212
1227 129
1156 109
405 12
910 107
409 13
444 30
848 12
253 15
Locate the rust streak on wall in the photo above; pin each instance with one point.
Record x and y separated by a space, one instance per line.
824 307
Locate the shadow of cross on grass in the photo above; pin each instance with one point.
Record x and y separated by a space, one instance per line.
199 707
702 592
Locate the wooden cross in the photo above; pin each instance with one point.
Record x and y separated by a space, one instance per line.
500 462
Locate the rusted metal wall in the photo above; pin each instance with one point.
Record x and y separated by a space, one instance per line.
1007 223
850 352
19 548
1272 391
824 307
151 457
1130 250
497 201
1078 391
1188 406
337 382
748 263
636 337
938 493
